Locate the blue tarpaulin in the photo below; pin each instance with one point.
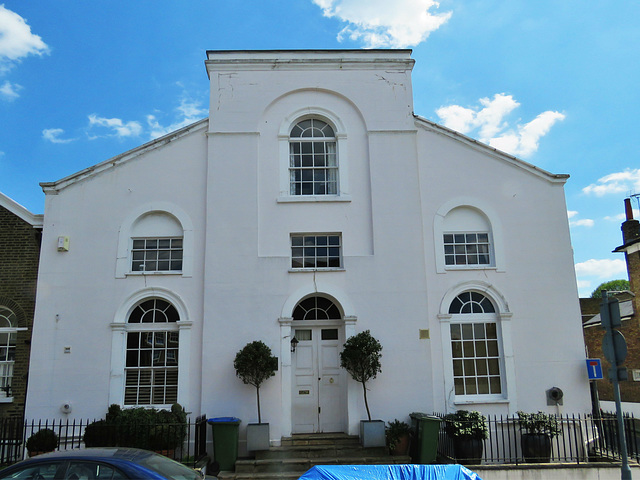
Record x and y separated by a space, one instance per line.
389 472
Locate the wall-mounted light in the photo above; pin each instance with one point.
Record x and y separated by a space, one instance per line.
294 344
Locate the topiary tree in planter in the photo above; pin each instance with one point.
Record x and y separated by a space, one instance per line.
254 364
361 358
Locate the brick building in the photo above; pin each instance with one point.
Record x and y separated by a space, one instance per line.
20 233
629 308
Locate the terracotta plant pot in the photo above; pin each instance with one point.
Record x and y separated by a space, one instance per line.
402 446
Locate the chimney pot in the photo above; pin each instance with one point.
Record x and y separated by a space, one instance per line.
627 208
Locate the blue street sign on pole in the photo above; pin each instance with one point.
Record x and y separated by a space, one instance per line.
594 369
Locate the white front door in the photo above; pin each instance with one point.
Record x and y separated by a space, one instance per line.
319 398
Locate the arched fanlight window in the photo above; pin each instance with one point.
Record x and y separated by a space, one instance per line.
471 302
313 162
316 308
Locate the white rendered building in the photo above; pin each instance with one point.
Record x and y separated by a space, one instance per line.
311 203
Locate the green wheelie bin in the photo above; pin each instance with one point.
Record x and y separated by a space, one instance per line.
425 428
225 441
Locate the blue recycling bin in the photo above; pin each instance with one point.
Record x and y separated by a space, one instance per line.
225 441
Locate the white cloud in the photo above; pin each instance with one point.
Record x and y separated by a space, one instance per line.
492 127
619 182
53 135
16 39
10 90
585 222
381 23
117 127
571 213
621 217
604 269
189 112
584 284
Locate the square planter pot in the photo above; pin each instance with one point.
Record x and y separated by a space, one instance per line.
372 433
258 436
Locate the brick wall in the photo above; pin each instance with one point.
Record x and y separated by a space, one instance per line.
19 256
629 390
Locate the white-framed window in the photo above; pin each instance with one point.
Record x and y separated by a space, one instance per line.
152 354
155 238
313 159
156 254
475 346
8 334
467 248
468 236
316 251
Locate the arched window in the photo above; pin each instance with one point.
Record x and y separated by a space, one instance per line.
313 162
475 345
8 333
156 246
467 239
316 308
151 364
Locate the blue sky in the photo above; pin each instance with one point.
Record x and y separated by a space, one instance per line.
554 83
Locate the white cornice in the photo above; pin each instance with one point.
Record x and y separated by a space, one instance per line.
493 152
52 188
308 59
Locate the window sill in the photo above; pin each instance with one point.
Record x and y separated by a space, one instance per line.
6 399
137 274
314 198
481 400
453 268
307 270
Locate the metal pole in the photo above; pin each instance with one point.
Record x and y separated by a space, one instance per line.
625 471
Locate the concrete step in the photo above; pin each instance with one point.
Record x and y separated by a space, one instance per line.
320 451
299 453
320 439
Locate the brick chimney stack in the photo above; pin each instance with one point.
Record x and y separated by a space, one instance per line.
631 248
630 227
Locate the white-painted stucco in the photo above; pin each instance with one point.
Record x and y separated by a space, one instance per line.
225 182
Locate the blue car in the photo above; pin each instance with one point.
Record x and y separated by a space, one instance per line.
100 464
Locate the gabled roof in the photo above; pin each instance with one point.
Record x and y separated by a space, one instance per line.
491 151
626 312
20 211
52 188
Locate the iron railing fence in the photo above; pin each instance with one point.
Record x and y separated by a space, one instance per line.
14 433
583 439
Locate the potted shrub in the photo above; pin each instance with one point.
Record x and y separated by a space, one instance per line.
254 364
539 428
398 436
468 430
42 441
361 358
